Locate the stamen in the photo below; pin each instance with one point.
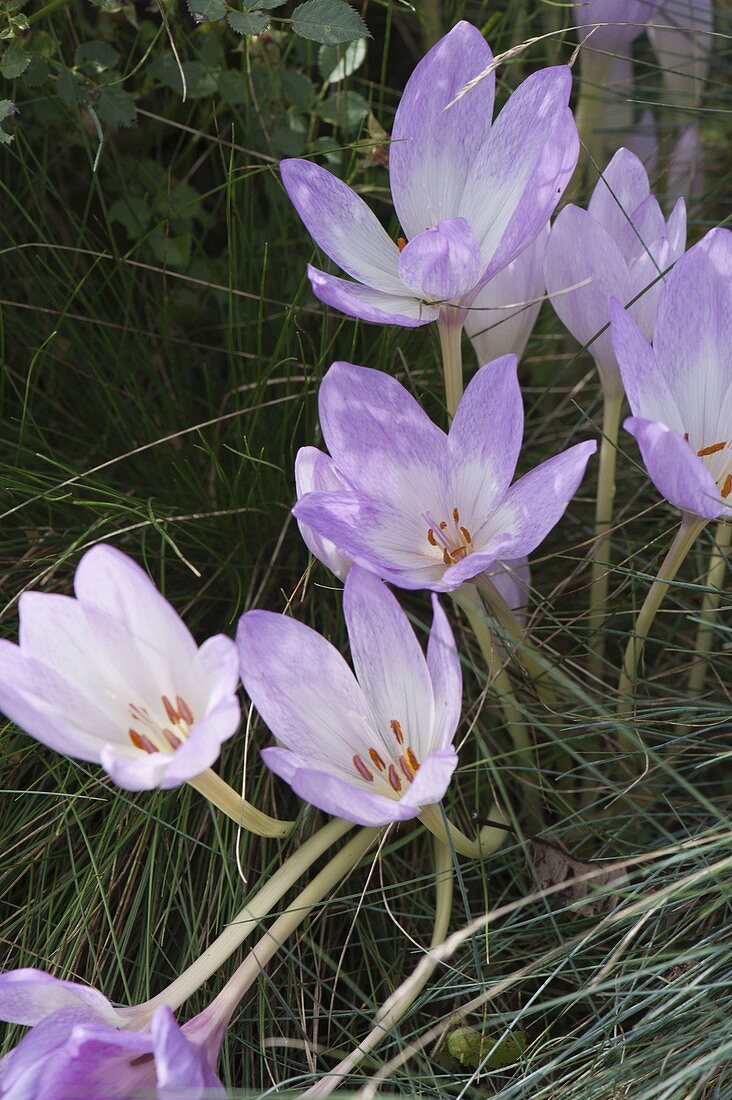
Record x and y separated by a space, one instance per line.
466 535
184 710
140 741
443 525
405 768
431 537
712 450
686 437
377 759
394 779
727 487
362 770
401 243
173 741
170 710
413 761
456 516
142 1059
447 557
397 730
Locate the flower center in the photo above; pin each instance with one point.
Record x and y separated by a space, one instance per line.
388 776
724 480
157 738
455 541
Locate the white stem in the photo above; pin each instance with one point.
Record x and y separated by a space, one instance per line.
225 798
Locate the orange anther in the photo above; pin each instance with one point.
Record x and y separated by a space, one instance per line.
466 534
170 710
431 537
727 487
184 710
712 450
456 516
379 763
140 741
173 741
401 243
397 730
394 779
413 761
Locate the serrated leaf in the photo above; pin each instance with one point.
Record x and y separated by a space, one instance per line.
252 23
116 107
36 73
69 88
210 10
331 22
95 57
268 5
346 109
337 62
7 108
15 61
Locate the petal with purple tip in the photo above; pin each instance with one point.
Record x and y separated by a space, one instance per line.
678 474
368 304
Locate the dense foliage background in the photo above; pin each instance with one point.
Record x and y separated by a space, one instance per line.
161 353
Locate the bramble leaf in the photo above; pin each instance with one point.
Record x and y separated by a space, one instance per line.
328 21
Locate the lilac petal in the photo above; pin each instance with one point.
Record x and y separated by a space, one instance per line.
503 313
443 262
432 779
446 674
98 1061
676 230
203 747
541 194
536 502
27 996
484 440
341 223
494 545
581 251
643 142
380 438
337 796
180 1066
626 19
646 388
315 473
618 193
432 149
388 660
370 305
646 284
303 689
686 163
508 161
513 581
678 474
218 668
693 335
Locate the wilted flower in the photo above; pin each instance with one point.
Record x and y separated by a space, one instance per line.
618 247
423 509
680 390
114 677
80 1047
470 195
373 747
504 312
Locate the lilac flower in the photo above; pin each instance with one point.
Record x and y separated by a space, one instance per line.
372 748
626 19
680 390
470 196
80 1047
643 141
504 312
114 677
620 244
423 509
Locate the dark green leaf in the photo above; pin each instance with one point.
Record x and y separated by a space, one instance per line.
346 109
116 107
329 21
210 10
338 62
233 87
289 137
267 5
7 108
299 89
95 57
36 73
133 213
15 61
70 89
253 23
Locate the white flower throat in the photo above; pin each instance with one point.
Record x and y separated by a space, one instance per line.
388 776
155 737
454 540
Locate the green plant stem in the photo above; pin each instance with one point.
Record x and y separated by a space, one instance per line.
223 1006
502 687
395 1007
590 112
718 562
685 537
48 9
451 331
248 919
602 550
225 798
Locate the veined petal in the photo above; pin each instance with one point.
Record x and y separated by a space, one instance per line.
646 388
678 474
446 674
443 262
494 545
620 190
342 798
342 225
536 502
373 306
380 438
484 440
180 1065
509 159
27 996
432 780
433 147
388 661
315 473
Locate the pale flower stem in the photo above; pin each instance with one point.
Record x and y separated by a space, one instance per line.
225 798
247 920
686 536
451 332
502 686
489 839
602 549
396 1006
590 113
326 880
718 564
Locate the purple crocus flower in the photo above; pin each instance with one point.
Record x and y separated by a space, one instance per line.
504 312
114 677
618 247
374 747
680 390
470 195
423 509
626 19
80 1047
